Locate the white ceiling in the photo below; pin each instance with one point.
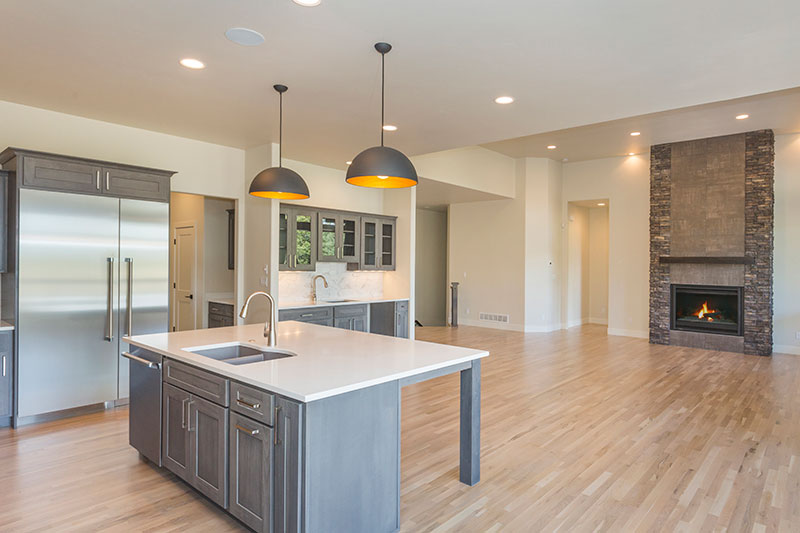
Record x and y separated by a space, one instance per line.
779 111
568 63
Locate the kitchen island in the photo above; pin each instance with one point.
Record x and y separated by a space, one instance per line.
307 440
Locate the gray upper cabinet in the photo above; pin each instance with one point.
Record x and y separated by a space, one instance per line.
338 239
387 233
3 221
378 243
369 243
6 371
250 464
135 184
297 248
61 175
38 170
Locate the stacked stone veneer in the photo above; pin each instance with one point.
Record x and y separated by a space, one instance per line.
698 190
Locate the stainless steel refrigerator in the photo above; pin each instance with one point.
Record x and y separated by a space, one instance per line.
91 270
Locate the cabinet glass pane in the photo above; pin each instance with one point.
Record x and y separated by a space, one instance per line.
387 234
348 238
283 238
369 243
303 243
328 237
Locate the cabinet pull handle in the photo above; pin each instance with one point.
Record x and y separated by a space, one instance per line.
108 187
306 315
275 440
183 413
251 432
247 404
4 366
110 301
98 180
148 364
189 418
129 260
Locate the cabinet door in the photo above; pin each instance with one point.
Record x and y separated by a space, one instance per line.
349 238
6 371
250 472
359 323
369 244
303 252
283 239
208 429
343 323
288 448
134 184
58 175
328 247
175 449
387 234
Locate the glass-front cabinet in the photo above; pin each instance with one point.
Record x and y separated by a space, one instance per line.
378 243
338 237
297 239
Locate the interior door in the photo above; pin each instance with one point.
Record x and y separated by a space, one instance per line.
68 287
144 274
185 263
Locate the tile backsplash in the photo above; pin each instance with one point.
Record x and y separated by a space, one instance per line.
342 284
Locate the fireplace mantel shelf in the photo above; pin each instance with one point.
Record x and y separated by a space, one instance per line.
708 260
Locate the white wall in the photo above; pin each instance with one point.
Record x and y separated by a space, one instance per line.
473 167
431 267
220 281
187 209
577 266
625 182
598 265
787 244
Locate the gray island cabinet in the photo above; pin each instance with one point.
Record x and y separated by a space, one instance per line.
307 442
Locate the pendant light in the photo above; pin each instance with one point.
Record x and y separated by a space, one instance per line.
279 182
382 167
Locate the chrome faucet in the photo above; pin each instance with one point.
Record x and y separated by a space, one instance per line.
314 286
271 325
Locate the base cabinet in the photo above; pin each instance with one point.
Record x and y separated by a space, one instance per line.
6 373
250 478
194 444
288 473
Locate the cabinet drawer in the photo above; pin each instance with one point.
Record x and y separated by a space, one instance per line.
256 404
217 321
224 310
204 384
342 311
61 175
306 315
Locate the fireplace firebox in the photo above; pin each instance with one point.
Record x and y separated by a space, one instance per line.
707 309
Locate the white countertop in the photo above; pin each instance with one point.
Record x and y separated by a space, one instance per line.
226 301
329 361
6 326
322 303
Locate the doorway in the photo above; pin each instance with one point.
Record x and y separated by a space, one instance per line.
430 293
203 266
587 263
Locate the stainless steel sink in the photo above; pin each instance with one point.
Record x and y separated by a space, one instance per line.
237 353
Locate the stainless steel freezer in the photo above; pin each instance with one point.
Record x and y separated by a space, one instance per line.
77 297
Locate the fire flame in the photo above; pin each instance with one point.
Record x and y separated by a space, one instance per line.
701 314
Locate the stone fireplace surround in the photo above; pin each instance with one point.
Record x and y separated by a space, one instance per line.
711 223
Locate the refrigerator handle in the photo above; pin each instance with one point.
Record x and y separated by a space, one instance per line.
110 300
129 315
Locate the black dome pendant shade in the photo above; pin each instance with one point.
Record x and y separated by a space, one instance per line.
279 182
381 167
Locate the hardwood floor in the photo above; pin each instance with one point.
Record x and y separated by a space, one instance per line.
581 432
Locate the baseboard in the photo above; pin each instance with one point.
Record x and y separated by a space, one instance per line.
574 323
639 334
601 321
786 349
490 325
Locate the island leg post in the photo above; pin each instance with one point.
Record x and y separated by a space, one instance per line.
470 454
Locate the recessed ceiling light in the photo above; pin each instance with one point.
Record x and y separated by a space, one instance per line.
631 153
244 36
742 116
503 100
552 147
389 127
635 133
601 204
307 3
194 64
349 163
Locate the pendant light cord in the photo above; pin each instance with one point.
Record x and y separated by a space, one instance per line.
383 97
280 130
